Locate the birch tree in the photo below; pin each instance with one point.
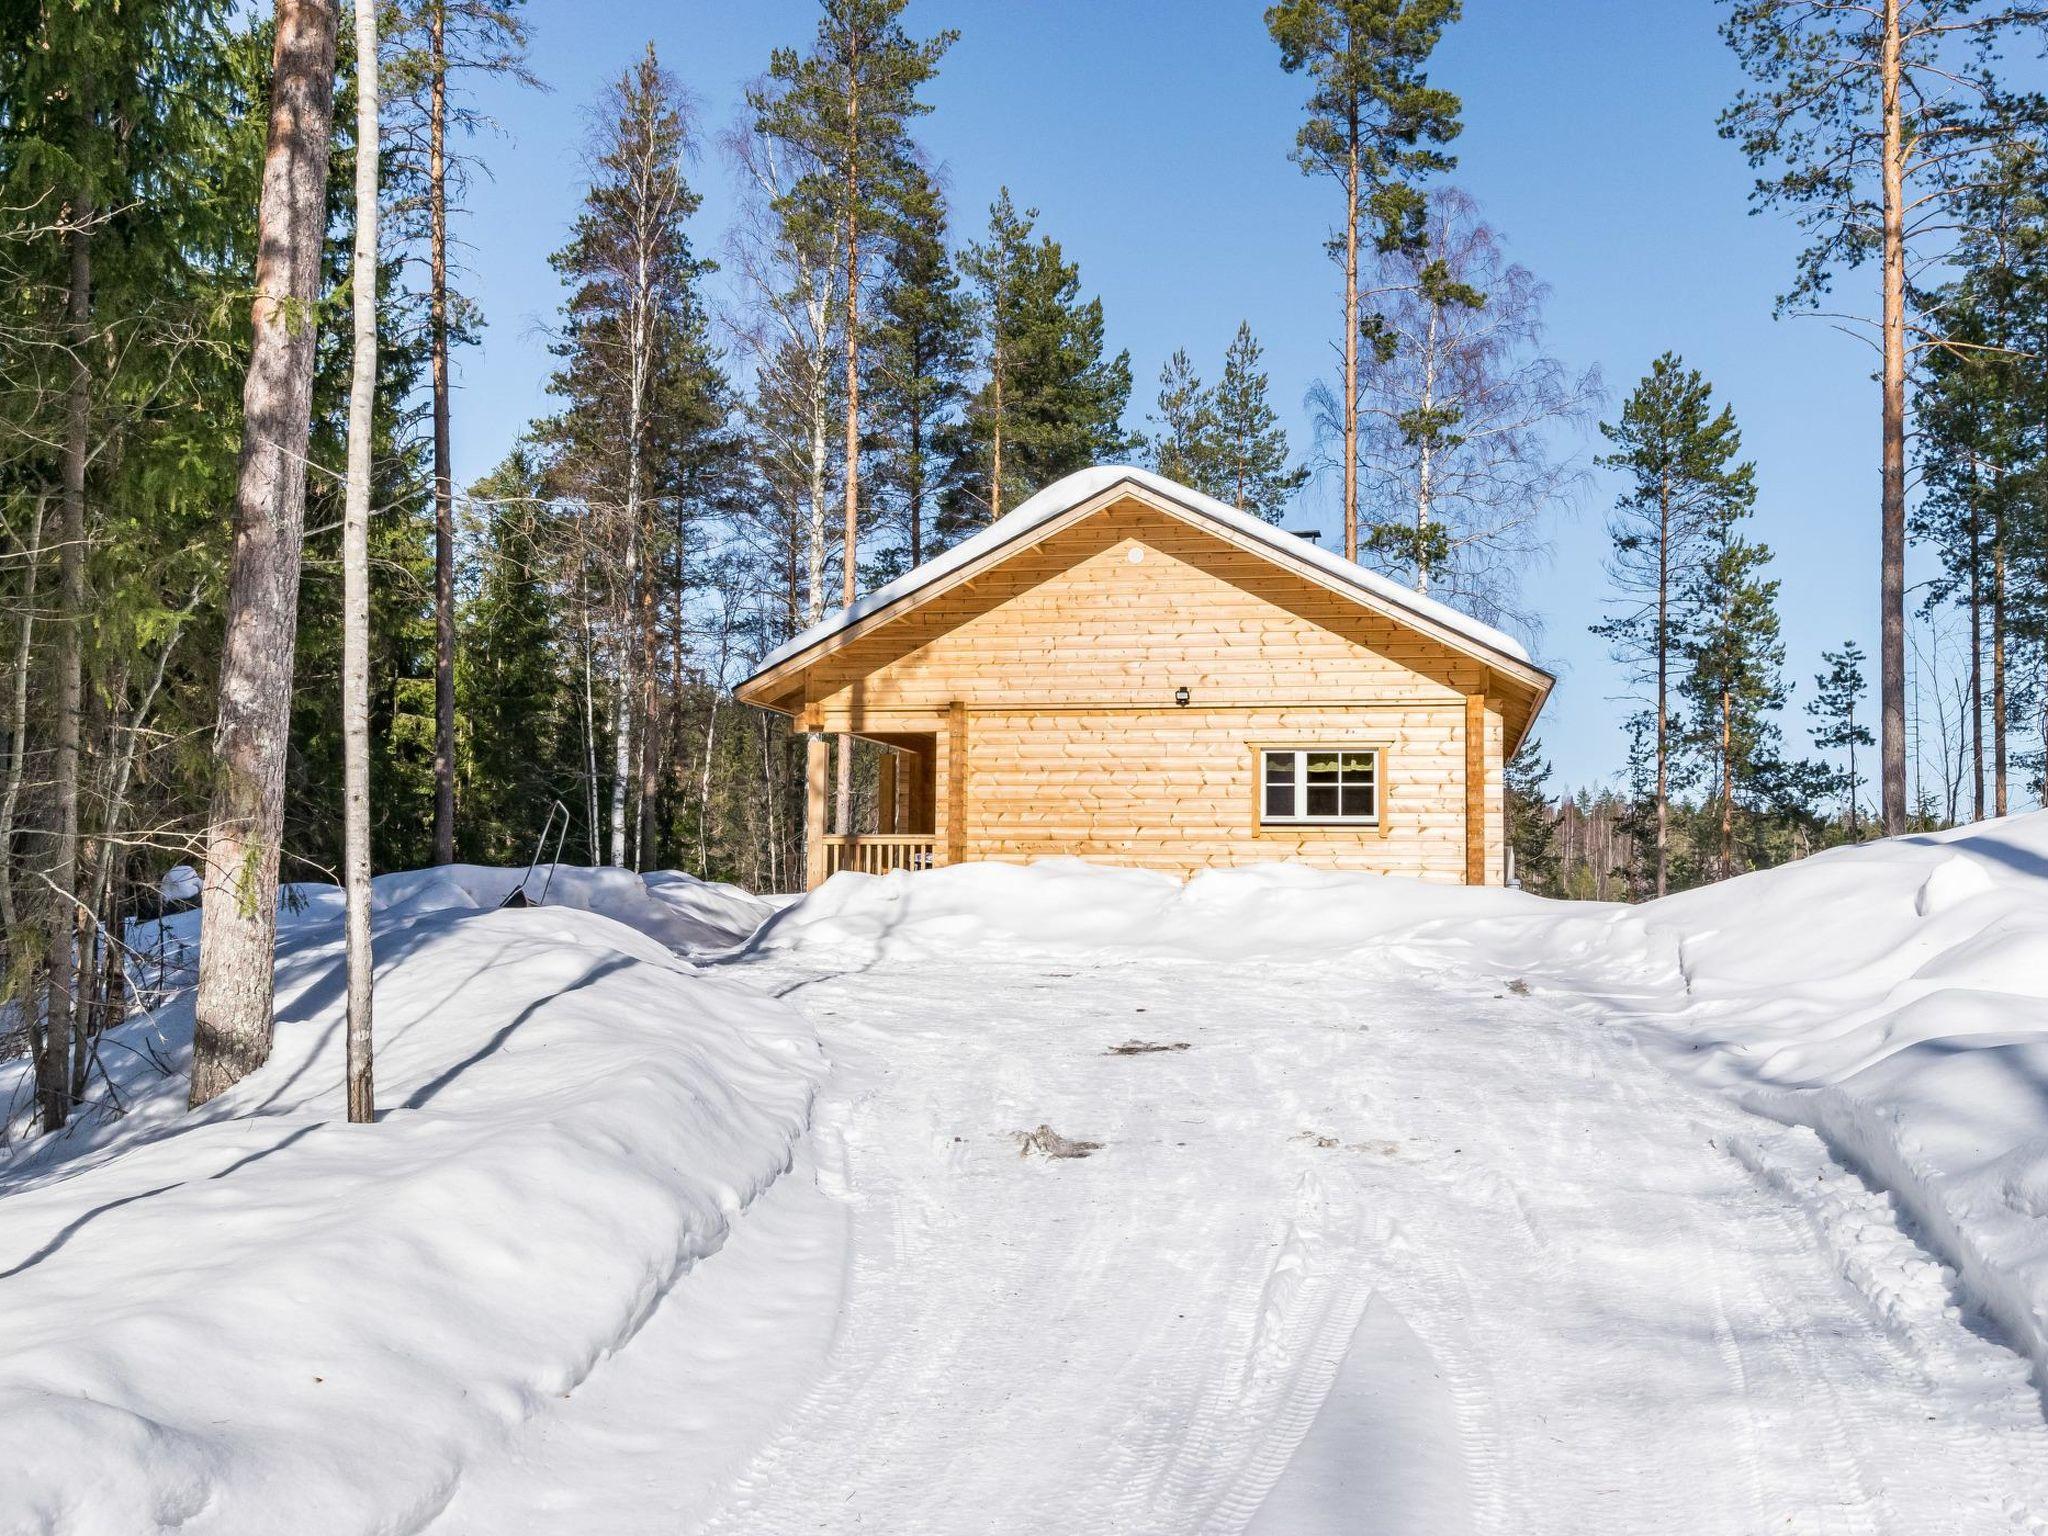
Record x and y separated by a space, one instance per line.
355 566
1464 421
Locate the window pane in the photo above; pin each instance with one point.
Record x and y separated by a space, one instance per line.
1357 767
1322 800
1279 799
1322 767
1358 800
1280 767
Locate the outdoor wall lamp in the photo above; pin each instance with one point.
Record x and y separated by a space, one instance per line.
1180 697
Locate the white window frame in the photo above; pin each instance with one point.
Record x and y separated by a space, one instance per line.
1301 817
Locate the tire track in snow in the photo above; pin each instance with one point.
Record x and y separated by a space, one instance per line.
1635 1332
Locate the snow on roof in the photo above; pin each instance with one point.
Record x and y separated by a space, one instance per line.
1065 494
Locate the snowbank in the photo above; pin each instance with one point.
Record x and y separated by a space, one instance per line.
1894 997
213 1319
1264 911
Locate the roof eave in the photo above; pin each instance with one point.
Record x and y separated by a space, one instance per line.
760 688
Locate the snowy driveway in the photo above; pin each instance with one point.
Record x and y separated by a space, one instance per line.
1389 1247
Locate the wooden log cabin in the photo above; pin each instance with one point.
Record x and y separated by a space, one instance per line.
1128 671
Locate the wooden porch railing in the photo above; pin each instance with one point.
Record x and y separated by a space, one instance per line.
877 853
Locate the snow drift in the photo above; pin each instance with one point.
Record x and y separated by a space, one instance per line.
1280 912
1894 997
259 1307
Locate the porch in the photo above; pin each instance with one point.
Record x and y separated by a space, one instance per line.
900 824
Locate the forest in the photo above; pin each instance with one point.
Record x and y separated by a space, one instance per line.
251 624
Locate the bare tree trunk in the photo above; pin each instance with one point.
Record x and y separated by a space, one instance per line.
1727 786
849 576
1973 529
590 744
1976 677
1351 346
444 466
622 743
62 1016
17 726
1663 684
1892 581
995 379
650 705
355 578
1425 487
239 922
704 792
1999 702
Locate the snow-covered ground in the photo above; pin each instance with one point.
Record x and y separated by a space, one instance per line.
1412 1210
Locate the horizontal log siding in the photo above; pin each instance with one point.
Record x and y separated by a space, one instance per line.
1074 621
1063 664
1176 789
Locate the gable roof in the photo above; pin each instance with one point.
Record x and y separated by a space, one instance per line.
1084 485
1098 486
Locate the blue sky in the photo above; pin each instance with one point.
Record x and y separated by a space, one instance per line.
1153 137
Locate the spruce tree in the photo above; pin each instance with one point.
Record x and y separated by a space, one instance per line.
1837 694
112 120
1052 403
1532 822
1376 125
1683 479
519 728
1251 472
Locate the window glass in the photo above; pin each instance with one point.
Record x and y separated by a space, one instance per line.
1313 784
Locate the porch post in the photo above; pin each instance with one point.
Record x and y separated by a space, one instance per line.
817 775
956 783
1475 789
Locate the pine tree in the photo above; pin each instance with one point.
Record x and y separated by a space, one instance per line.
635 376
1732 681
1879 121
433 42
1185 447
1251 473
848 106
400 537
232 1023
1375 124
1684 480
1837 693
921 351
1051 403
